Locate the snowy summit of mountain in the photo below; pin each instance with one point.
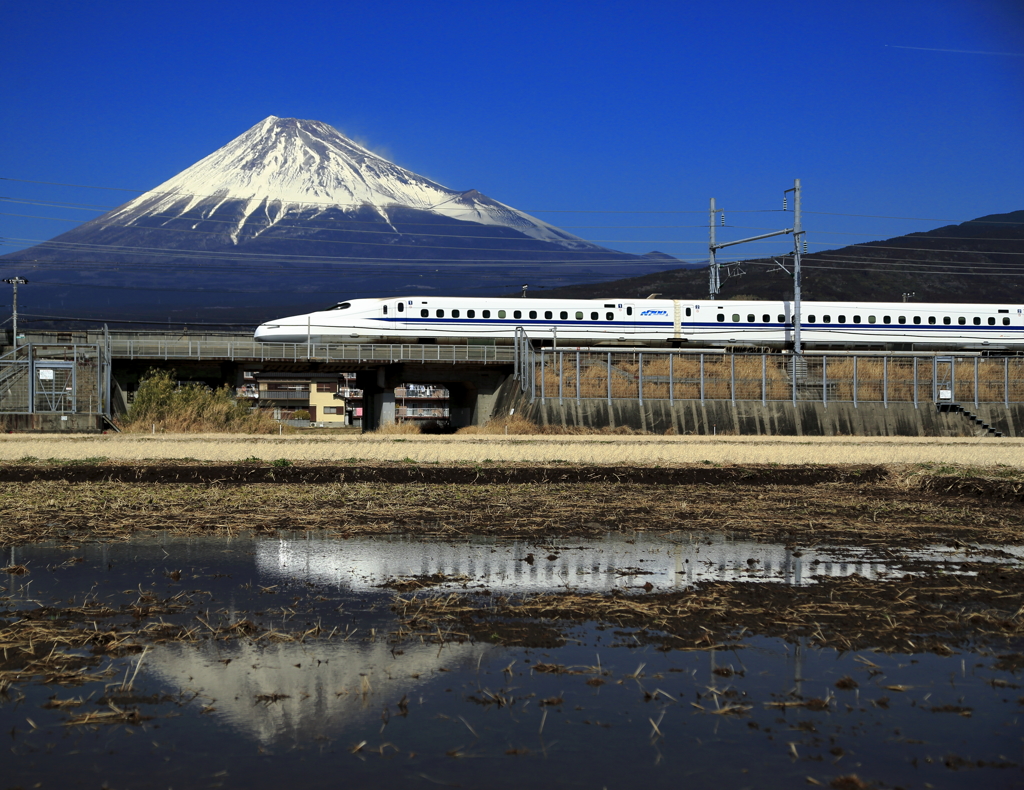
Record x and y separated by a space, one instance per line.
284 165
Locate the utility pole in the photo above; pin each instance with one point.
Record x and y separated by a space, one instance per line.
15 282
798 238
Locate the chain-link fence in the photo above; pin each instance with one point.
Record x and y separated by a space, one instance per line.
55 379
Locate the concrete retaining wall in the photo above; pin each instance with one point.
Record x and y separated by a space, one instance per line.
753 418
53 423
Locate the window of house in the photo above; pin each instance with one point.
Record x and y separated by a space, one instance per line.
326 386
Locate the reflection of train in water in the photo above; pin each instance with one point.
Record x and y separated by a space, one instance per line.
899 326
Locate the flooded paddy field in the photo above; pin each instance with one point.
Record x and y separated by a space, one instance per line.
251 626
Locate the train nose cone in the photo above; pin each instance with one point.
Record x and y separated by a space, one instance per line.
265 332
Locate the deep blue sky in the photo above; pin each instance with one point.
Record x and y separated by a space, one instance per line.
595 116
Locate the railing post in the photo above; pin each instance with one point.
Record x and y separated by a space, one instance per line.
975 382
1006 382
609 377
577 374
640 378
885 381
560 365
854 382
824 379
702 378
543 388
764 379
732 378
915 382
671 378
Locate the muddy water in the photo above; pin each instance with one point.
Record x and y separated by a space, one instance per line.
326 686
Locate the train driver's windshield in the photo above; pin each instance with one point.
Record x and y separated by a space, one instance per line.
340 306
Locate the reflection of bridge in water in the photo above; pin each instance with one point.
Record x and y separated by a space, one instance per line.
615 561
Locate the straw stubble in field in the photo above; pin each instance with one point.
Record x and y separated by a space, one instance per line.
898 508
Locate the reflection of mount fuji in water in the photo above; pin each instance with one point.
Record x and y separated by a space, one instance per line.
614 561
318 689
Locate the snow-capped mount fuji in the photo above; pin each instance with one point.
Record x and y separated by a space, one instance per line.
284 165
289 216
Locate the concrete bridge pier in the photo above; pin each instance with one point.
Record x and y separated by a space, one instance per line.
472 391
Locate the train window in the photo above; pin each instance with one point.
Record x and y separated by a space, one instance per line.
946 319
688 313
471 314
856 319
501 314
440 314
842 319
385 309
517 313
579 315
424 312
721 318
917 319
977 321
810 319
750 318
629 311
902 319
455 313
991 321
548 314
533 314
342 306
961 320
871 319
401 307
766 318
610 316
563 315
486 313
594 316
931 319
886 319
782 319
1006 320
735 318
826 319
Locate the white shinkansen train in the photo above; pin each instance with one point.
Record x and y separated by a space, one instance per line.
900 326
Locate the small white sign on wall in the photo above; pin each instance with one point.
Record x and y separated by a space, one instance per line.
45 374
